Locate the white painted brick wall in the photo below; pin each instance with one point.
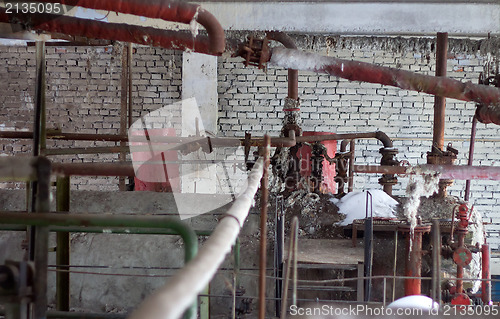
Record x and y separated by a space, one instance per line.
336 105
84 96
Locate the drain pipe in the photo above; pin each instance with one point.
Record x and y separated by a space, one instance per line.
174 11
440 101
110 31
471 156
291 120
438 155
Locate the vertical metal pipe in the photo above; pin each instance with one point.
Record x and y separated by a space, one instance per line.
485 268
368 256
388 189
63 247
471 156
439 101
385 291
37 133
293 84
460 269
130 84
42 239
352 146
436 262
124 108
368 247
237 263
295 238
278 252
41 266
291 261
413 286
263 228
394 265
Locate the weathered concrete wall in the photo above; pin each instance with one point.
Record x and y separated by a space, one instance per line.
152 258
360 17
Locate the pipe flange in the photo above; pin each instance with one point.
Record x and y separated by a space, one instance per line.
389 156
388 151
388 179
406 228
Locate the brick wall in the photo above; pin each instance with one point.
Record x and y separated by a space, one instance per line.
252 100
84 96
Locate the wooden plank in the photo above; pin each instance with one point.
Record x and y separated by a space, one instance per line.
328 251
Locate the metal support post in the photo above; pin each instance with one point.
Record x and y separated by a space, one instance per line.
63 247
263 228
436 261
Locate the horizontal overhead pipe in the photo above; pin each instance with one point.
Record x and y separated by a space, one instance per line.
66 136
76 27
93 169
171 300
174 11
488 114
462 172
366 72
216 142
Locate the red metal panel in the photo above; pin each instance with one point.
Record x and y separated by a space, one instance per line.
328 185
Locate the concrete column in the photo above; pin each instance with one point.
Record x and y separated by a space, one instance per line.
199 81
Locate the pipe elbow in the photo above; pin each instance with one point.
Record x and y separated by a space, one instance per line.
214 30
382 137
282 38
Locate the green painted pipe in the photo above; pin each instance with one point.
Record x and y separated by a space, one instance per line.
99 230
106 220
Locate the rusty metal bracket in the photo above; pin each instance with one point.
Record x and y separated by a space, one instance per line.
255 52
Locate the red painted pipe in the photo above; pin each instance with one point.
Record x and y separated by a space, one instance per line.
488 114
110 31
485 268
413 286
174 11
366 72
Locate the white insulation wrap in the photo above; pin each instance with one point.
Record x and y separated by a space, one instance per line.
170 301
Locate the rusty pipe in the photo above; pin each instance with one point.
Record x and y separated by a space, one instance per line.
440 101
289 141
381 136
293 74
471 155
366 72
93 169
174 11
350 185
488 114
486 274
264 187
413 286
77 27
459 172
66 136
460 269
